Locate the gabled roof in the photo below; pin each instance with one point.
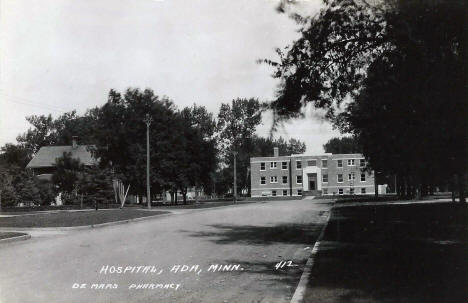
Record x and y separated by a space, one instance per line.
47 155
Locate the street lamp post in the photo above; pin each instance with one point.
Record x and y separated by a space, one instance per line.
235 176
148 121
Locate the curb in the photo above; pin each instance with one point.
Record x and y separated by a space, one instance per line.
14 239
298 295
67 228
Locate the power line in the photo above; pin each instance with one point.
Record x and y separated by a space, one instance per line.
24 101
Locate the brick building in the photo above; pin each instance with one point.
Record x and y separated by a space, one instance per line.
317 175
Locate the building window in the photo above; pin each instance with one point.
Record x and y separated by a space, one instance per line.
362 162
273 193
299 179
363 190
340 191
262 180
351 177
325 178
285 192
285 179
351 191
298 164
272 165
363 177
273 179
299 192
312 163
284 165
325 191
339 178
324 163
339 163
262 165
350 162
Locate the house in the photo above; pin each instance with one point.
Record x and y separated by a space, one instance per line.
43 163
317 175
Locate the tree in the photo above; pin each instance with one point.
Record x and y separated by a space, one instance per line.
263 147
8 193
67 172
15 155
28 192
399 68
95 184
236 126
344 145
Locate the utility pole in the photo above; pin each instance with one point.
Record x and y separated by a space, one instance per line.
148 121
235 176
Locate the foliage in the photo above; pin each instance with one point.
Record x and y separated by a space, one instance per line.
397 69
9 196
343 145
14 155
95 184
28 191
66 173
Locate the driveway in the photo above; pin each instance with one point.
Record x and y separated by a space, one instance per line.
230 255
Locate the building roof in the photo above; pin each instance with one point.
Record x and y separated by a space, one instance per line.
47 155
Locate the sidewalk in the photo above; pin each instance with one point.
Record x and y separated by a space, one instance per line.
392 253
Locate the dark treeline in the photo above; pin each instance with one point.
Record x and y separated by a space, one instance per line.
392 74
190 148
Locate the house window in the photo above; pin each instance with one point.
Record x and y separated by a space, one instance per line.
284 165
363 190
299 192
325 191
262 180
351 177
262 165
325 178
273 179
273 193
350 162
272 165
285 179
324 163
363 177
339 178
340 191
312 163
298 164
299 179
285 192
339 163
351 191
362 162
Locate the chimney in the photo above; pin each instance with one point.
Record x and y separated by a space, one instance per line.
275 151
74 142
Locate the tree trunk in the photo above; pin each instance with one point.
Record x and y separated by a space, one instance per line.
376 185
184 194
461 188
175 200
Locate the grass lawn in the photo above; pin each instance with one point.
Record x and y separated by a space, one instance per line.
75 218
7 234
393 253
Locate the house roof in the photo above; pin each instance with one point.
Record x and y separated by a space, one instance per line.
47 155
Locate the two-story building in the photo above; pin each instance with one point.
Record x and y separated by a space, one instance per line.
296 175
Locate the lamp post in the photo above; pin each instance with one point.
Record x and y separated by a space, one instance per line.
234 153
148 121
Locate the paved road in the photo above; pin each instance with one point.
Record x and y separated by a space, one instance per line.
255 236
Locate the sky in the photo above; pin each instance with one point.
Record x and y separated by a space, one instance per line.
61 55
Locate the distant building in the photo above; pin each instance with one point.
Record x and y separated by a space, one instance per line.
43 163
316 175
